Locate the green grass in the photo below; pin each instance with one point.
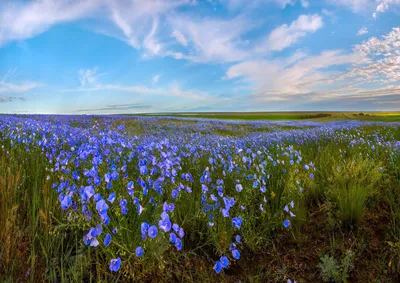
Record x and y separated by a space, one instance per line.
39 243
275 116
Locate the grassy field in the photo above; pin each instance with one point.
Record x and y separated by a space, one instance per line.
305 203
317 116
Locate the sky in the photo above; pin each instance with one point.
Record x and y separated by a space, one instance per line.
149 56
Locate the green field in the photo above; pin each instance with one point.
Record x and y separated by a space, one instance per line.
316 203
318 116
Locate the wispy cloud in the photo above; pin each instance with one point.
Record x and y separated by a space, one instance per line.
10 99
156 78
179 37
373 70
119 107
174 89
21 20
305 3
287 35
294 75
13 87
89 76
384 5
362 31
357 6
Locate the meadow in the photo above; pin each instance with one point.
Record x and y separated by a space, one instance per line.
182 199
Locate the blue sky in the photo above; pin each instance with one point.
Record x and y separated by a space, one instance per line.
136 56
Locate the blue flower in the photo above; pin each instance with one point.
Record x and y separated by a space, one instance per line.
174 194
89 191
286 223
124 210
153 231
94 242
107 177
115 264
107 239
165 224
236 254
311 176
239 188
237 222
111 197
102 206
143 170
218 267
130 185
238 238
224 261
144 228
98 230
286 208
181 233
175 227
123 202
178 244
139 251
225 212
172 238
105 219
115 230
66 202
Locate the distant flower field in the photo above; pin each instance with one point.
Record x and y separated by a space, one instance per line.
167 199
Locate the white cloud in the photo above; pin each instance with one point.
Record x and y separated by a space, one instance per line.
287 35
305 3
294 75
156 78
90 83
88 76
179 37
214 40
384 5
356 6
372 70
14 87
284 3
150 42
362 31
24 20
383 64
